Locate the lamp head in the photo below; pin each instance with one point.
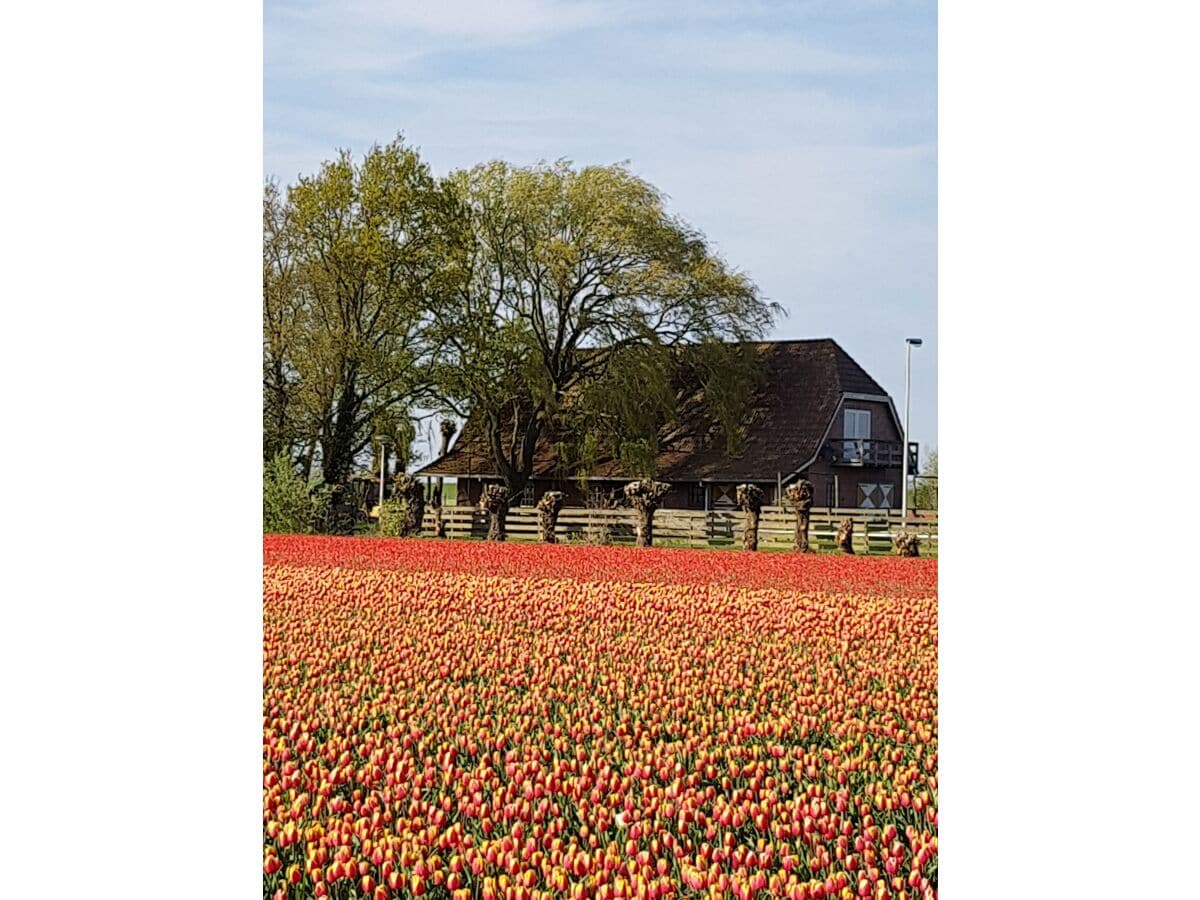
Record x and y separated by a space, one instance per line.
916 342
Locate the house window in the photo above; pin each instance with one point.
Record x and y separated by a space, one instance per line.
856 431
695 496
527 494
830 493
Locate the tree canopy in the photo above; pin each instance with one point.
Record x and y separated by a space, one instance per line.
353 258
543 300
576 288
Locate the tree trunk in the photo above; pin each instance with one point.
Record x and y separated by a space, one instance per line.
750 499
800 495
498 524
495 501
644 526
548 508
645 497
908 544
515 485
276 441
403 489
750 530
337 451
335 461
413 491
516 467
342 509
414 512
845 536
306 461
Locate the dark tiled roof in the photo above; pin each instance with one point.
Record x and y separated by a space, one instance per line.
802 385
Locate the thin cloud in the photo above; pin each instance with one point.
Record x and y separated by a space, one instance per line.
800 138
721 53
481 21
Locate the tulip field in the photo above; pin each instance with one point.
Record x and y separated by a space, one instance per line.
475 720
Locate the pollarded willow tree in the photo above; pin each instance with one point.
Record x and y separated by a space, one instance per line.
845 536
750 498
353 259
907 543
412 490
575 289
645 497
548 509
494 501
800 495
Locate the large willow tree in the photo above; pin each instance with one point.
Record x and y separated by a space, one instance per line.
354 258
575 288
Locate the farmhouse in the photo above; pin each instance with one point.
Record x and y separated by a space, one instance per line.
818 414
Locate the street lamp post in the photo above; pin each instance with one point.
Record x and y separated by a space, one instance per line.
909 343
383 442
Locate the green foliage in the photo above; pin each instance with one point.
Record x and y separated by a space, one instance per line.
730 375
638 459
352 258
392 517
582 457
288 505
399 432
619 411
544 301
925 495
575 288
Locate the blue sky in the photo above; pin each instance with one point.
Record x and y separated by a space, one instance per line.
801 138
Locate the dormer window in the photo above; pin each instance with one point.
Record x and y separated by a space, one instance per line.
856 430
857 424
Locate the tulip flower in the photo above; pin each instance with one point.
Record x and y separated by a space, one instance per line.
524 721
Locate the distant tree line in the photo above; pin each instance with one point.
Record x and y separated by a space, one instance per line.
545 301
924 494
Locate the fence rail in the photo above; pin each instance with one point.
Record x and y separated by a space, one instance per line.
873 528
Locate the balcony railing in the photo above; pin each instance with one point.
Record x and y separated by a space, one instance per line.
863 452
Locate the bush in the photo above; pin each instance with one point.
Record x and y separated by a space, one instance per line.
392 517
289 506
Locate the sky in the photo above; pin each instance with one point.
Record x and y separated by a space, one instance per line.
799 137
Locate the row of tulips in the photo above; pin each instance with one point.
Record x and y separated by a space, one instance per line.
825 572
594 728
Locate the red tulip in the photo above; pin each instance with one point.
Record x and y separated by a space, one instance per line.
418 706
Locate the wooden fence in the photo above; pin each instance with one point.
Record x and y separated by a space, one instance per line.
873 528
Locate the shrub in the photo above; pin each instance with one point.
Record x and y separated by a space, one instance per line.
392 517
289 506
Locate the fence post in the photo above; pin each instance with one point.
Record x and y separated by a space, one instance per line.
469 522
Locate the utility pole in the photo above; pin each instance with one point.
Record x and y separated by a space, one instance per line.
382 463
909 343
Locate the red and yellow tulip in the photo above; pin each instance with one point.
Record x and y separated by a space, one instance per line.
483 720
